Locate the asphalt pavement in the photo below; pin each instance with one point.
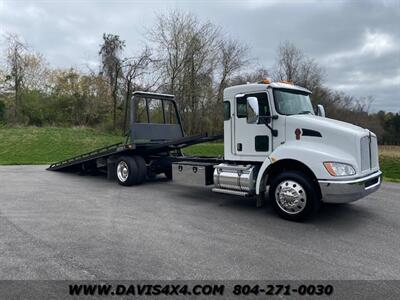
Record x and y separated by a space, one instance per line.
57 225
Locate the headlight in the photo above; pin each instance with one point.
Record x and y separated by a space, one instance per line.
339 169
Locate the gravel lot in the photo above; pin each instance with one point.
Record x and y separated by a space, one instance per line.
65 226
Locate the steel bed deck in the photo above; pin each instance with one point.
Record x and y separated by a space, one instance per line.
145 149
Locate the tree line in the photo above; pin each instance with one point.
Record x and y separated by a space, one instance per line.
186 57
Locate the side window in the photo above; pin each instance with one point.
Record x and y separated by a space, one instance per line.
170 113
241 105
156 111
263 104
141 111
227 110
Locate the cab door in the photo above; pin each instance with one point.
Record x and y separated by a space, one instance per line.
251 141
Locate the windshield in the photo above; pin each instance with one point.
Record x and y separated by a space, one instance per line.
292 102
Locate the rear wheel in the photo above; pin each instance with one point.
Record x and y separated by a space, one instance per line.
142 168
127 171
294 196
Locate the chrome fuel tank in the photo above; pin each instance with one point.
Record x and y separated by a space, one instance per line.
236 177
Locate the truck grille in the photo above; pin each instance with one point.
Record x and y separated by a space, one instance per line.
369 152
374 152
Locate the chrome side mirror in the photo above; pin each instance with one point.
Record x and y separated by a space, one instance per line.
252 110
320 110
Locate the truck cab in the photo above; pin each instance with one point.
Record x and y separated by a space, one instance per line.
274 143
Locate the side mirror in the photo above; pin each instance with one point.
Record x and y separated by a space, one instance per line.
252 110
320 110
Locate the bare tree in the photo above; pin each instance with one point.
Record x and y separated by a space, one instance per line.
110 52
170 36
15 57
36 71
3 85
232 57
255 76
288 62
293 65
134 69
186 57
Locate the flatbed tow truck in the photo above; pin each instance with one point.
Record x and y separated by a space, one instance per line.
274 146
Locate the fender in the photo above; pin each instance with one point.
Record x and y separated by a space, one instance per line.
260 182
310 154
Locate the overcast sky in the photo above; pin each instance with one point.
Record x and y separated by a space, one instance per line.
357 42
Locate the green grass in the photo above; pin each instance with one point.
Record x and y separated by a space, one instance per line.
32 145
389 161
206 149
390 166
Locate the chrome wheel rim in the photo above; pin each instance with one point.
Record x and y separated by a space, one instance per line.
122 171
290 197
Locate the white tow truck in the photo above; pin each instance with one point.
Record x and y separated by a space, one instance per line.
275 146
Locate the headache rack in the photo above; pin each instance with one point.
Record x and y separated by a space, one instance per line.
145 138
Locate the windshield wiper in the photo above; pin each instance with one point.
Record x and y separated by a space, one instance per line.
304 112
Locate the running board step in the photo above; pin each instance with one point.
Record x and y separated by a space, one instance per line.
231 192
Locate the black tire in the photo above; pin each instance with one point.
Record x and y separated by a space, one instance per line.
132 171
168 173
297 184
142 168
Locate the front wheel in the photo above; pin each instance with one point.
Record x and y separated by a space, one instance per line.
294 196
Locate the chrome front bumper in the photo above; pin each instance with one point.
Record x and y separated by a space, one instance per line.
344 191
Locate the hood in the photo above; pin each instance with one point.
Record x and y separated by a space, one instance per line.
328 125
342 138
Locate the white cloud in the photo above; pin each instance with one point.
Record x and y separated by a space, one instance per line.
34 12
260 3
87 42
255 4
391 81
357 80
346 86
374 43
377 43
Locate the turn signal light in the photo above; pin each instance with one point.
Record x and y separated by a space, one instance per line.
328 167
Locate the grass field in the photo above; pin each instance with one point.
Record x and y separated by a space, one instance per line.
32 145
389 160
206 149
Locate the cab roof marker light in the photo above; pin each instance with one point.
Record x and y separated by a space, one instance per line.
265 81
287 82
